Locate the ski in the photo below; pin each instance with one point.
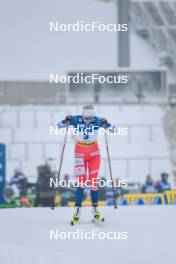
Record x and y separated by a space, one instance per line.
100 221
74 222
95 221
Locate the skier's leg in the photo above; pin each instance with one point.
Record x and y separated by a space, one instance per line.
94 197
80 172
79 196
78 202
94 166
80 168
76 215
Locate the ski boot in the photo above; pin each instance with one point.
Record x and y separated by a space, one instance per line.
97 215
76 216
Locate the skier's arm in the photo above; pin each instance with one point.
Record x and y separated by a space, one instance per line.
66 122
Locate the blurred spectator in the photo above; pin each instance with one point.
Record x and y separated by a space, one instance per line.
67 192
149 186
45 194
163 184
19 181
118 191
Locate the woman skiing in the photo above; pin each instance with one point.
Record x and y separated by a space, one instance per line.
87 156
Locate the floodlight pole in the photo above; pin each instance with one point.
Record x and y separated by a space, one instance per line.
123 8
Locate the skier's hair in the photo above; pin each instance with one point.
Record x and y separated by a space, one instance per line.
88 106
88 110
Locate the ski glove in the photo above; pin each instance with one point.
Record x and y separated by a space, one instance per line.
104 123
68 120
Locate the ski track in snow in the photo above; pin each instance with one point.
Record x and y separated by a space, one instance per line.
24 236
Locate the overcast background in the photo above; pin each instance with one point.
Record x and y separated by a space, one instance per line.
29 51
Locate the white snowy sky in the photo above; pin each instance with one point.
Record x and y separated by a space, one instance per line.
28 51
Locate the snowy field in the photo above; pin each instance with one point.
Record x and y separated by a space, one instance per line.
25 236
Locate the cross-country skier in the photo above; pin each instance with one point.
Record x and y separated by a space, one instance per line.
87 155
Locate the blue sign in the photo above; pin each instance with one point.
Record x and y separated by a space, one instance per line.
2 170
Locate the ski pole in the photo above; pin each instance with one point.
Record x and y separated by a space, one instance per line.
110 171
62 155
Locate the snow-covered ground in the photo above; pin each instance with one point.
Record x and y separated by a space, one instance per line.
25 236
